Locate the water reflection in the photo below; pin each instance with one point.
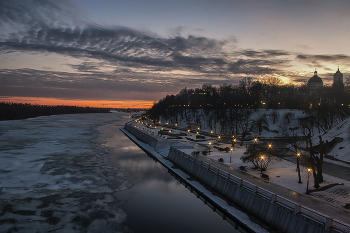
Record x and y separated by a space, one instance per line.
130 148
157 202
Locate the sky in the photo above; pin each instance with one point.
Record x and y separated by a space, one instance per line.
132 53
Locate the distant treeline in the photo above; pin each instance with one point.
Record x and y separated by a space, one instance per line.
130 110
270 93
14 111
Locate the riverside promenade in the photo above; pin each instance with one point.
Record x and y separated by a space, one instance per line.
341 214
315 204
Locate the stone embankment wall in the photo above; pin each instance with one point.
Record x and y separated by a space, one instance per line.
277 211
146 137
142 136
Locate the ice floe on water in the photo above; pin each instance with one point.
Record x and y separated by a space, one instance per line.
55 175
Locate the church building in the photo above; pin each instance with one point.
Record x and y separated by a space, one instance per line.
315 82
338 80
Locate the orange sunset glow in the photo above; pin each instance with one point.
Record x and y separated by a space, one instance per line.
82 103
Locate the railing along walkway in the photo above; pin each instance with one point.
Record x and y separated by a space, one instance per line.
308 214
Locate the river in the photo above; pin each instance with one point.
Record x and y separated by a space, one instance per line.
157 202
80 173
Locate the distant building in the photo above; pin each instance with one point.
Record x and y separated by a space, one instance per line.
315 82
338 81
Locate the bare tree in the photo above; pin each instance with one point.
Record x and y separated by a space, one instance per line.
259 156
245 123
288 117
259 123
316 163
275 115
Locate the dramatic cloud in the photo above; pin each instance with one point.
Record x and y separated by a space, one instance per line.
38 13
334 58
264 53
126 47
121 45
112 62
257 67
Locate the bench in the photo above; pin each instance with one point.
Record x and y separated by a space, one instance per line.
264 176
242 168
195 153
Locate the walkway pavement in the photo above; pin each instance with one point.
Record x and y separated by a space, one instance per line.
323 202
341 214
332 169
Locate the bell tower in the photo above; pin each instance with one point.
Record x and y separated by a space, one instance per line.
338 80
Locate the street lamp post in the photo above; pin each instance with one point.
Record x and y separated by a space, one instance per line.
262 159
307 186
255 139
209 147
298 168
218 139
231 154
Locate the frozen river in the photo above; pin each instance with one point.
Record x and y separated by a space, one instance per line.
79 173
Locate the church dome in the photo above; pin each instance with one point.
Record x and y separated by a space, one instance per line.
315 79
315 82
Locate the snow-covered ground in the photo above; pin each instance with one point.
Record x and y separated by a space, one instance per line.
281 128
280 171
341 150
281 124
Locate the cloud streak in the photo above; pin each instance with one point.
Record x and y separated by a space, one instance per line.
119 60
124 46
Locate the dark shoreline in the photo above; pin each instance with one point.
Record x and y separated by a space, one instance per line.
18 111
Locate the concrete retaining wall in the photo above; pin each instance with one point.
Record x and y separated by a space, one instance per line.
145 137
262 204
142 136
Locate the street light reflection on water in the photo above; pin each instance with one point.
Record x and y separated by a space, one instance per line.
157 202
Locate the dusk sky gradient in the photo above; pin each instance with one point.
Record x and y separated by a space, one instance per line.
131 53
